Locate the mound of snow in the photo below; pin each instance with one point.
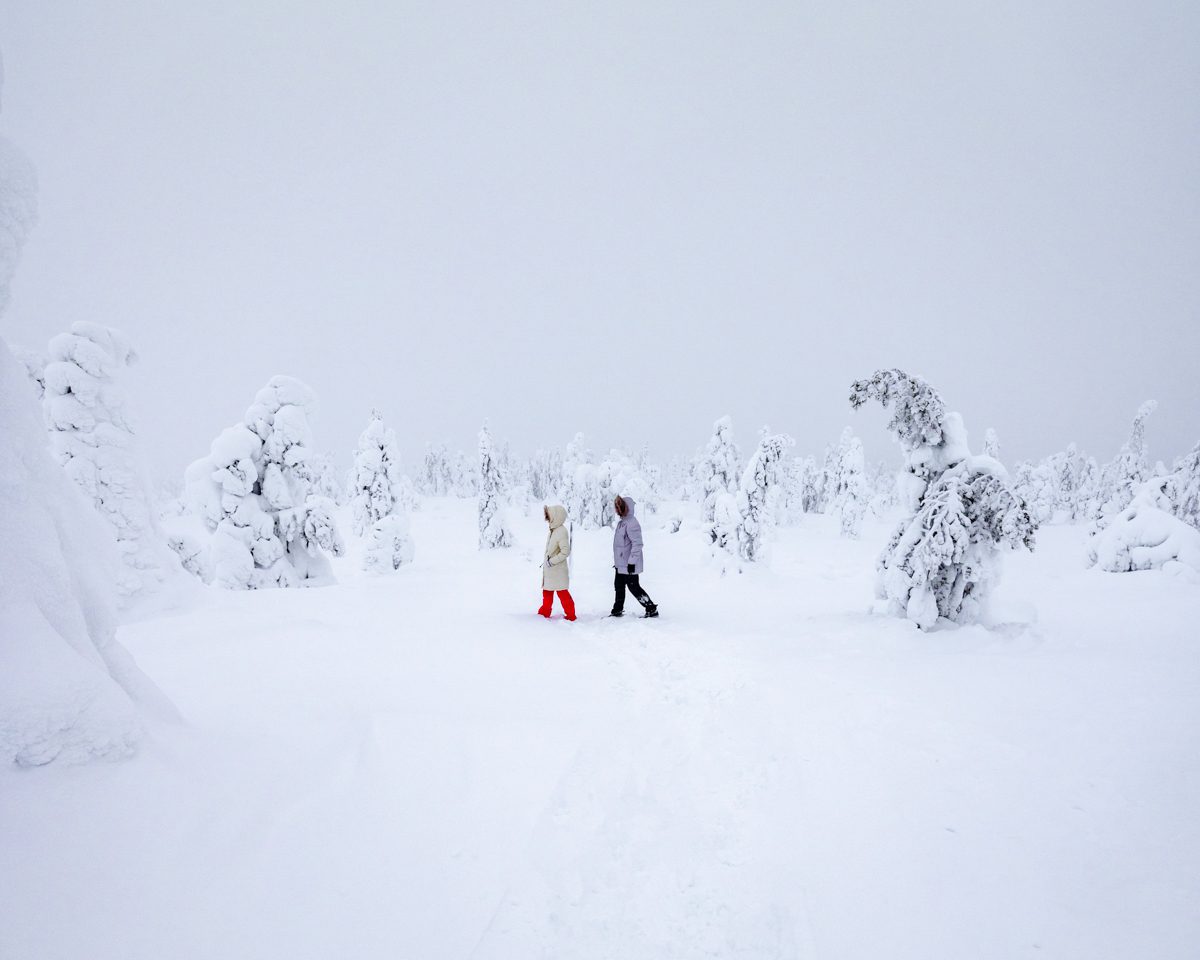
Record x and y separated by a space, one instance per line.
1144 536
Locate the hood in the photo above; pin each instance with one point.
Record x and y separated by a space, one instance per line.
558 515
630 504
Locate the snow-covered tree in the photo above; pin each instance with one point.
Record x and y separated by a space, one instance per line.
91 436
1183 489
493 529
883 489
18 210
68 690
582 495
991 445
465 474
717 470
758 495
944 557
437 472
375 479
850 492
620 474
1035 485
546 475
389 544
1087 492
723 534
1126 474
254 491
791 501
325 479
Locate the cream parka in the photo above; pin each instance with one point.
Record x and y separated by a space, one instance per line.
555 575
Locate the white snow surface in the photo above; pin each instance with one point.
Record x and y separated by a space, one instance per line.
417 766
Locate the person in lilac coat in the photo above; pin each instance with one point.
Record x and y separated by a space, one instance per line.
627 559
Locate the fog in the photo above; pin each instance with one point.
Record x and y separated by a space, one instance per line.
623 218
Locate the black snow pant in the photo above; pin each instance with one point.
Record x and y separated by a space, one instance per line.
629 580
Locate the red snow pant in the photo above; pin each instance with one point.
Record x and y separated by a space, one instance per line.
564 597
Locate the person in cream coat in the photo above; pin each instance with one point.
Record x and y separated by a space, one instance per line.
556 576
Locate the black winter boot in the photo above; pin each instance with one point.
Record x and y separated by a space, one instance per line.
617 613
651 610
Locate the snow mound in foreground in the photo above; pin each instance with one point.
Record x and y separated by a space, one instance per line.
1144 536
67 688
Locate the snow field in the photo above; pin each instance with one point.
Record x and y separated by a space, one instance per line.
416 765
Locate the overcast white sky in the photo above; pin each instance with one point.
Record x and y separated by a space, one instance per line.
626 218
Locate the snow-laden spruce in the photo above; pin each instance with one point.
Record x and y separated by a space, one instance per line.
991 444
375 480
717 470
325 479
67 687
437 471
254 491
91 436
1123 477
493 526
758 495
850 491
943 558
1183 489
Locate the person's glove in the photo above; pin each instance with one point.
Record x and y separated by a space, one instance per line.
631 569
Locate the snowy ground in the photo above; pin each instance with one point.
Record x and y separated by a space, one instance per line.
416 766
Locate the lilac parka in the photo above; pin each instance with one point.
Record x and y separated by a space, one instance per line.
627 541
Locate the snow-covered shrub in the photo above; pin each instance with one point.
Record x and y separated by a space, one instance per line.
761 487
91 436
717 468
1145 535
376 485
193 555
35 366
850 491
254 491
943 558
493 528
723 534
389 544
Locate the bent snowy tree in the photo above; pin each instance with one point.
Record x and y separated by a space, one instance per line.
944 557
